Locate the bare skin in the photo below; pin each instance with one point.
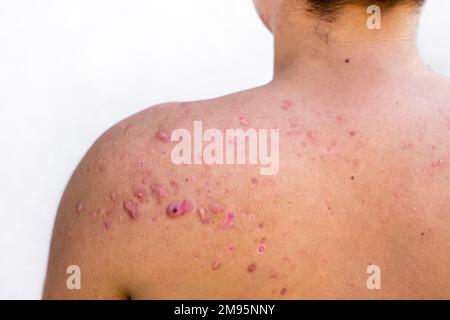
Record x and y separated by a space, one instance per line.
364 179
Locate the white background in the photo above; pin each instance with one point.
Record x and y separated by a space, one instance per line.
69 69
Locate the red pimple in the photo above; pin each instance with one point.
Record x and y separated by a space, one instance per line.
163 136
186 206
132 208
251 268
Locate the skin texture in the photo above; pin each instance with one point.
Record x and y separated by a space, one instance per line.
364 179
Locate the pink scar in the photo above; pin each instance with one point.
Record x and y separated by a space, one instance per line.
175 210
132 208
229 219
163 136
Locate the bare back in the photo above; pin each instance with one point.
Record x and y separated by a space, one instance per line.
361 182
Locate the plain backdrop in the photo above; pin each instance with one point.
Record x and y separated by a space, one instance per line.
70 69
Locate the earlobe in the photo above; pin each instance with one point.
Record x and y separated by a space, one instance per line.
263 7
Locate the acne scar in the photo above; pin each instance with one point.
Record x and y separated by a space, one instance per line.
216 265
251 268
283 291
175 210
140 194
261 248
203 215
131 208
229 219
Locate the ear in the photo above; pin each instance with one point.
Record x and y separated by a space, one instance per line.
264 9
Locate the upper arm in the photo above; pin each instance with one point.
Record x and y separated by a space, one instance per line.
93 229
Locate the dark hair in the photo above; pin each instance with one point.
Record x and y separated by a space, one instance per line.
328 8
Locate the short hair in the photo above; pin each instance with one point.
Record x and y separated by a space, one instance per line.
328 8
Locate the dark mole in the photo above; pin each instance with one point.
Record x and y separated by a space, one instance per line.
422 234
347 60
352 177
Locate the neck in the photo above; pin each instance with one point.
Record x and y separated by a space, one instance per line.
344 49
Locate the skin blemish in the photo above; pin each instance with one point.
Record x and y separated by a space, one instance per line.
251 268
203 215
163 136
352 177
216 207
286 104
312 136
113 196
261 248
216 265
176 210
243 121
231 248
283 291
347 60
140 194
273 274
352 133
254 181
80 207
131 207
159 192
107 224
439 164
229 219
